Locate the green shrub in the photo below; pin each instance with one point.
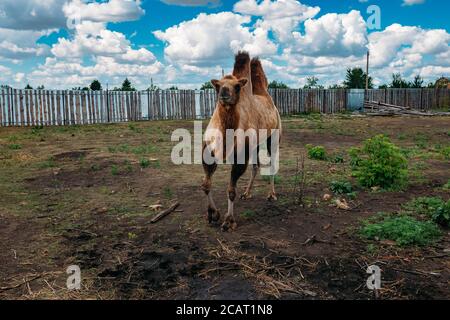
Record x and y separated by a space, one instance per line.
379 163
341 187
145 163
316 152
442 215
404 230
337 158
15 146
446 186
435 208
115 170
445 152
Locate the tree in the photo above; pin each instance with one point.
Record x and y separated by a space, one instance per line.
398 81
278 85
417 82
28 87
173 88
383 86
356 79
41 87
207 85
96 86
126 86
312 83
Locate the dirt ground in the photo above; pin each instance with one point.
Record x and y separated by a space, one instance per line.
79 196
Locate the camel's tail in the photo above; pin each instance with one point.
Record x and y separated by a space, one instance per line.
259 79
242 69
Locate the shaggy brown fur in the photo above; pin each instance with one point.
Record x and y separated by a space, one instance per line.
243 103
259 79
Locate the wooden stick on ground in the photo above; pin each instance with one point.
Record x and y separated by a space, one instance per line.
25 281
164 213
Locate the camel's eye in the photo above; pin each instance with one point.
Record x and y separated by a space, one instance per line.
237 88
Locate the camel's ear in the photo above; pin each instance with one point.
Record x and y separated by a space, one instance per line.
216 84
243 82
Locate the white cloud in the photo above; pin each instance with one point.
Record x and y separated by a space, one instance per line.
280 16
333 34
111 11
17 45
213 38
412 2
32 14
405 45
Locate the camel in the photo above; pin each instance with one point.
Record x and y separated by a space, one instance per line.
244 104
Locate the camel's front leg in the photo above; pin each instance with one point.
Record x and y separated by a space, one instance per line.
272 194
213 212
236 172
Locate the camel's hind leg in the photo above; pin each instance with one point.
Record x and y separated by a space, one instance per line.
248 191
255 168
236 172
272 194
213 212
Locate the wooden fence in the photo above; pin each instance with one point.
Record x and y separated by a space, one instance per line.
424 99
61 107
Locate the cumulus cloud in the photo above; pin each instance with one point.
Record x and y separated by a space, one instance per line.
399 42
333 35
111 11
17 45
32 14
213 38
280 16
412 2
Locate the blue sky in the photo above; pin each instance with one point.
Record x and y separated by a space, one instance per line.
167 40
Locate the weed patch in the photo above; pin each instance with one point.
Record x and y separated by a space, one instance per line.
404 230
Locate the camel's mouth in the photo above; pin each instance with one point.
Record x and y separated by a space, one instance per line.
225 100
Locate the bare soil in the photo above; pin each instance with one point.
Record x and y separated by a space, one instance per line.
78 195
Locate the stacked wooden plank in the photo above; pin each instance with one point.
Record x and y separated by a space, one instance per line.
377 108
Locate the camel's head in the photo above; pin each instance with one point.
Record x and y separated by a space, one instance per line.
229 89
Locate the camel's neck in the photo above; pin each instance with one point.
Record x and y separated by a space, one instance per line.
229 116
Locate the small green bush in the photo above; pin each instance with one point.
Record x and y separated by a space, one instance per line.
337 158
446 186
404 230
379 163
316 152
435 208
115 170
445 152
15 146
145 163
341 187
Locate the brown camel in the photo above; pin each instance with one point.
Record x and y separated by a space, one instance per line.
244 104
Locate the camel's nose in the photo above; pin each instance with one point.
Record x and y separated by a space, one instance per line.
225 94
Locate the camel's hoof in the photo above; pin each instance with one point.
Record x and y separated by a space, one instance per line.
246 196
272 197
213 215
229 226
